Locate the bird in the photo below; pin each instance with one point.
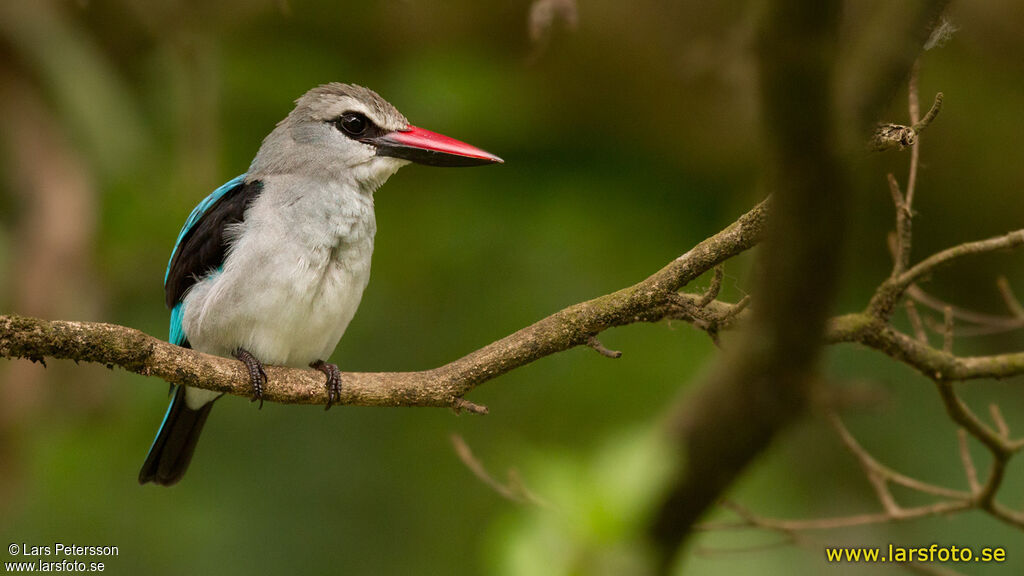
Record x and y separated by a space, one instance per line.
270 267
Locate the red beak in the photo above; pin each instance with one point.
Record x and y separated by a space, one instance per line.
426 147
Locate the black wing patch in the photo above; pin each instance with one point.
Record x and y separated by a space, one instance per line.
202 248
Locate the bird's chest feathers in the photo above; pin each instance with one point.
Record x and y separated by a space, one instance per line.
329 248
330 270
292 281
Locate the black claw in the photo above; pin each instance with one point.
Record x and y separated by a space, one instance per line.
333 381
257 376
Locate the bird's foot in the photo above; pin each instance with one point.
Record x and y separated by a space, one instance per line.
333 380
257 377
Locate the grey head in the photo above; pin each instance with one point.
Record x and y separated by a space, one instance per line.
348 132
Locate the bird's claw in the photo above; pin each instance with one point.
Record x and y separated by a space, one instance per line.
257 376
333 381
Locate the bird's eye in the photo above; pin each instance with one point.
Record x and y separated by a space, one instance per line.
352 123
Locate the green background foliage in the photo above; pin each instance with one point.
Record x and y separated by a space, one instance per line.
626 141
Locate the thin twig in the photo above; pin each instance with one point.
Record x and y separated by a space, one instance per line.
961 414
515 490
1009 298
947 330
936 509
915 322
903 236
915 113
713 288
873 329
787 539
725 319
997 418
868 330
949 255
993 321
968 462
872 466
461 404
887 294
929 116
875 473
594 343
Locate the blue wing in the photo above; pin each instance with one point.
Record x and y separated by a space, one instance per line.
200 249
177 336
201 245
198 212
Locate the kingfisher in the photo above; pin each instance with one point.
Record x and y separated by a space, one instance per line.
271 266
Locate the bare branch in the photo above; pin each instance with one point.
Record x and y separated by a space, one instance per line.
734 311
936 509
594 343
1009 298
797 536
981 496
865 329
916 126
872 328
648 301
962 415
929 117
873 467
992 322
514 490
889 292
915 322
997 417
713 289
947 330
461 404
903 236
875 473
930 264
968 462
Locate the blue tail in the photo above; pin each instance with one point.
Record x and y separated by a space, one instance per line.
172 449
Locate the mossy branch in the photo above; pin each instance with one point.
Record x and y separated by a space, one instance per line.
650 300
654 299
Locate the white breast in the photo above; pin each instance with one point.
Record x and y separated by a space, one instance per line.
294 276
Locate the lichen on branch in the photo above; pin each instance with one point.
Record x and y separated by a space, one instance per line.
647 301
